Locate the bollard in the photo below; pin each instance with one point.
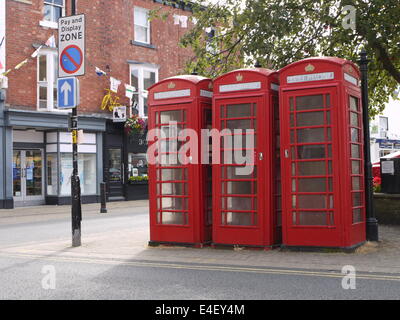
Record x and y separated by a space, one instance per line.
103 199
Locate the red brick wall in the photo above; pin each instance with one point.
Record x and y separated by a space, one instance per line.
109 30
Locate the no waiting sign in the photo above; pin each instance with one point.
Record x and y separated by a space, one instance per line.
71 46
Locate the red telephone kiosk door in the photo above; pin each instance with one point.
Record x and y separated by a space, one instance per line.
243 199
322 154
178 187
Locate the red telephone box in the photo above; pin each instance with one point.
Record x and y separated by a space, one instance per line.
244 203
322 154
179 191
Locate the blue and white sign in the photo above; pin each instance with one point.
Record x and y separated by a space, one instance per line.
68 93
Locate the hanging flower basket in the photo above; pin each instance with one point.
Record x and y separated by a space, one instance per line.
134 125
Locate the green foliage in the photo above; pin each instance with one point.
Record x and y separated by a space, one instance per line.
279 32
133 179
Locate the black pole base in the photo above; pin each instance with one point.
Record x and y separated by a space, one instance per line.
76 238
103 210
372 229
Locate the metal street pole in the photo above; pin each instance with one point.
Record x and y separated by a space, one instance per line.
76 210
371 221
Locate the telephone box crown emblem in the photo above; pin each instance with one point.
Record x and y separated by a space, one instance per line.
210 85
171 85
350 69
309 68
239 77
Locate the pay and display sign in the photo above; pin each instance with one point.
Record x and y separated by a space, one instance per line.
71 46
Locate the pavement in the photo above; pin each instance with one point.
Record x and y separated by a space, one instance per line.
130 244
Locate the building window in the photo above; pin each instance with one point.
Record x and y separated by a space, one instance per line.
137 165
47 80
141 25
383 126
53 10
142 78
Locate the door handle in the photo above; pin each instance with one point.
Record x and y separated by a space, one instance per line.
286 153
260 156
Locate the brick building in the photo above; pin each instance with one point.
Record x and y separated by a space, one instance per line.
35 145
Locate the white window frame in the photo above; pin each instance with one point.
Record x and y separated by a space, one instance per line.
141 92
52 24
51 80
148 26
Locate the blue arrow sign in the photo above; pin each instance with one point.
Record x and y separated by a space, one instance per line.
68 93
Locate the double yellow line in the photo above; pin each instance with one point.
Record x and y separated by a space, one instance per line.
325 274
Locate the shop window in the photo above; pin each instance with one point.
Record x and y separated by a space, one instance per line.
142 78
52 174
141 25
47 73
137 165
86 171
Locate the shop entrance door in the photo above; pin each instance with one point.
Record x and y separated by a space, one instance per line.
28 182
116 174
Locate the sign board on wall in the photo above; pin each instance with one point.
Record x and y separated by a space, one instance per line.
387 167
71 46
119 114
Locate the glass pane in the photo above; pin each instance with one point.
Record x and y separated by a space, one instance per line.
310 102
173 218
311 201
33 173
353 103
149 79
47 12
135 78
357 200
311 168
312 185
305 119
239 124
238 218
232 173
171 174
311 135
42 68
356 183
57 13
52 178
239 187
354 119
238 110
312 218
174 203
311 152
114 165
172 189
87 168
17 174
140 16
168 116
141 34
355 151
137 164
355 135
357 215
355 167
234 203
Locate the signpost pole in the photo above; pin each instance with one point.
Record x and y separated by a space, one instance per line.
76 210
371 221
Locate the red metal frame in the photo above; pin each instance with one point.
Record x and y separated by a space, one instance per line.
316 158
189 99
243 217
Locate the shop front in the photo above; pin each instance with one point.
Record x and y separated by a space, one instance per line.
37 158
125 164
